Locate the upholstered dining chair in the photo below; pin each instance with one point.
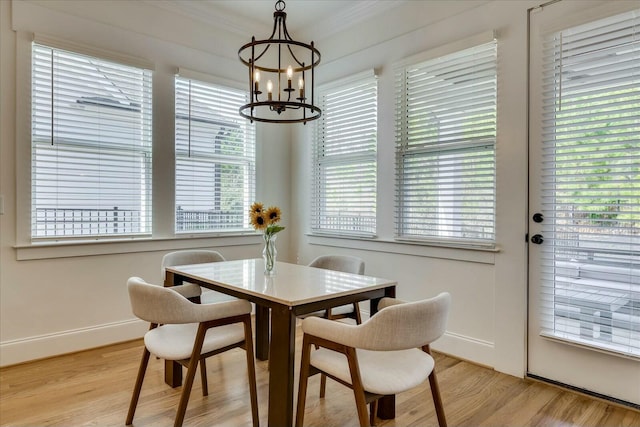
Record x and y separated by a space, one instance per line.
346 264
189 333
194 256
386 355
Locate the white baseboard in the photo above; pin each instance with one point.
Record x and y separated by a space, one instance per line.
39 347
466 348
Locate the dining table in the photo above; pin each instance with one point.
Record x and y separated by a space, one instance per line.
281 297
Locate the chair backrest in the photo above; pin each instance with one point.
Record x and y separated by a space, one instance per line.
186 257
407 325
157 304
344 263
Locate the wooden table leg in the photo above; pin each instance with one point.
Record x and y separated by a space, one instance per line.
172 373
387 407
281 367
262 332
389 292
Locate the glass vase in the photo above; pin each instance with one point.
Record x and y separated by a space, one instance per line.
269 254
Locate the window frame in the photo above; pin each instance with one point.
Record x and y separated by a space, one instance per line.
163 237
341 160
145 149
404 150
249 160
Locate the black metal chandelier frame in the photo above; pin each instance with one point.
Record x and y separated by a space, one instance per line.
251 55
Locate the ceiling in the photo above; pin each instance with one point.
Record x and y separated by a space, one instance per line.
305 18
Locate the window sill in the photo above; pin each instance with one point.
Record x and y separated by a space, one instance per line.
50 250
482 255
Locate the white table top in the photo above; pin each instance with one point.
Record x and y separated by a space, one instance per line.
291 285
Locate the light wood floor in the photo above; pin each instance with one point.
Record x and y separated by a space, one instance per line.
94 388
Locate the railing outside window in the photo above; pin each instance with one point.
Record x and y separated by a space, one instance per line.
192 220
86 222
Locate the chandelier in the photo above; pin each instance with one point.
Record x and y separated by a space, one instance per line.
284 69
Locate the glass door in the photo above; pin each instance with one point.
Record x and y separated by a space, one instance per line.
584 229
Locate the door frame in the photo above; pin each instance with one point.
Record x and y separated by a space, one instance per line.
593 356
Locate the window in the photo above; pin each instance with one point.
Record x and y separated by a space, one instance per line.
591 184
90 146
344 158
215 158
445 148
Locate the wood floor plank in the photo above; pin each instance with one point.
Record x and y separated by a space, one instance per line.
523 408
93 388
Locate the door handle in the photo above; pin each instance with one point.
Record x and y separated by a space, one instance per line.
537 239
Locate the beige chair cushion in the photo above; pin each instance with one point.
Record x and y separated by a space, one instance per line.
382 372
389 356
395 327
193 256
190 256
156 304
175 342
344 263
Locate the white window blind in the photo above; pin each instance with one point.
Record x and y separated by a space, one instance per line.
91 146
344 158
445 148
215 158
591 184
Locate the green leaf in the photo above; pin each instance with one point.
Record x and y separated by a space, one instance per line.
273 229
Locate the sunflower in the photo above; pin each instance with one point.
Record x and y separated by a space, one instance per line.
256 208
265 220
273 214
258 220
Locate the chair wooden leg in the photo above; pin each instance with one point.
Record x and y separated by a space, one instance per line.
191 373
251 371
203 377
323 385
358 389
435 392
358 318
136 389
304 377
437 399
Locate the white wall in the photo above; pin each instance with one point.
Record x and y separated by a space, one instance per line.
58 299
488 318
56 305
